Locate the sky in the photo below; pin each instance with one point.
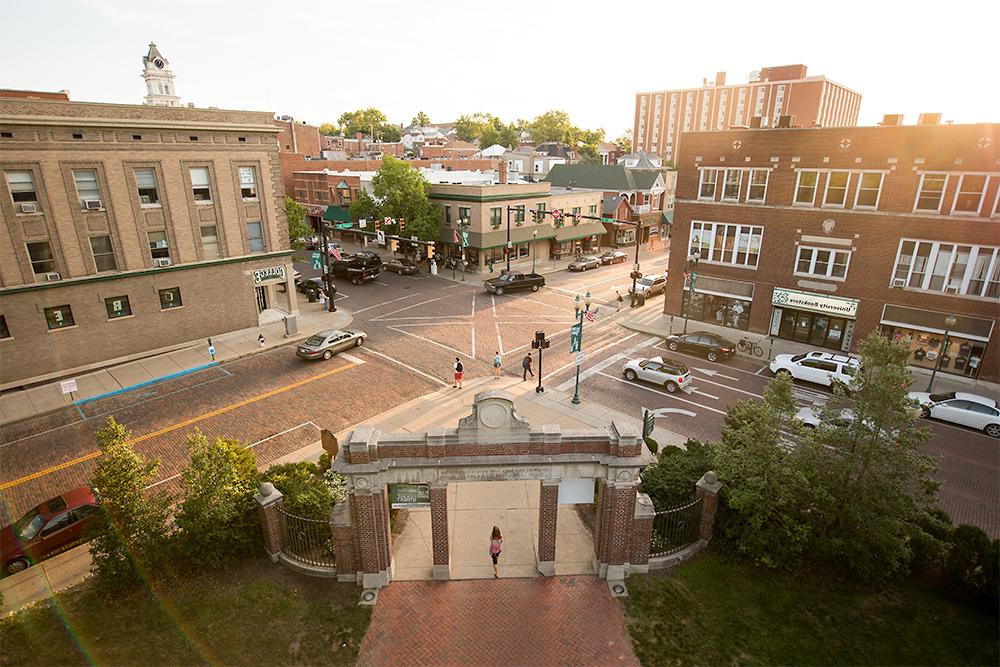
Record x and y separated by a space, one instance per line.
314 59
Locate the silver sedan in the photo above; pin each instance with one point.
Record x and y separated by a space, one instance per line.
584 263
325 344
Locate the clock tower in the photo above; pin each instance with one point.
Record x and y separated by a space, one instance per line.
159 79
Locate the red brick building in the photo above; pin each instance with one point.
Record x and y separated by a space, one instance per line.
770 94
318 190
297 137
822 235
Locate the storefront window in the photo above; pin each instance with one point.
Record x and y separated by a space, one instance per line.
957 355
723 310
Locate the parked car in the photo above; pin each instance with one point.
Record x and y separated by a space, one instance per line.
670 373
313 285
327 343
650 285
507 282
404 266
613 257
958 407
809 416
709 345
823 368
585 262
52 527
357 268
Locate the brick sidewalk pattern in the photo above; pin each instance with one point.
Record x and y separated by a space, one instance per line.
545 621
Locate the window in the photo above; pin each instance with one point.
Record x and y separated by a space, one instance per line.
40 254
931 192
255 234
869 190
822 262
495 217
136 137
301 194
145 183
248 183
59 317
968 270
836 188
731 185
706 187
805 187
971 190
758 185
540 209
576 214
78 135
104 253
170 298
158 248
4 331
519 214
200 185
118 306
447 214
87 188
56 524
210 242
22 186
720 243
464 214
592 210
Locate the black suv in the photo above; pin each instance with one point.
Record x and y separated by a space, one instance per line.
705 344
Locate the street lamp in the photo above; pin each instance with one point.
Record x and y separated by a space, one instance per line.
692 276
580 312
534 237
949 323
327 276
463 225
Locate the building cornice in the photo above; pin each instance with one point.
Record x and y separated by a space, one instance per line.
838 211
483 198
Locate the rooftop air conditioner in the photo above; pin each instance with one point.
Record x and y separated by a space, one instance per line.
94 204
52 277
29 208
145 199
161 261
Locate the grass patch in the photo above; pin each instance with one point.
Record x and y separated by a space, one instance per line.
255 613
720 610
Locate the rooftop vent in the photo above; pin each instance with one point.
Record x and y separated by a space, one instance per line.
892 120
929 119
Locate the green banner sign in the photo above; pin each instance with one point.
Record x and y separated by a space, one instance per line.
409 495
317 261
344 225
575 336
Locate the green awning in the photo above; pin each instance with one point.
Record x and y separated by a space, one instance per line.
337 214
343 186
668 217
572 232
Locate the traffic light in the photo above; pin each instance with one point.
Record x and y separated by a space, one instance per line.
534 215
402 226
430 251
393 245
378 225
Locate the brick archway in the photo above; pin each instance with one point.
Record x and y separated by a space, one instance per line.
491 444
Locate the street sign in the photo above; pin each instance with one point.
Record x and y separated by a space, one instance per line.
575 337
465 239
556 214
409 495
694 279
414 238
317 260
362 223
380 237
68 386
211 350
579 358
344 225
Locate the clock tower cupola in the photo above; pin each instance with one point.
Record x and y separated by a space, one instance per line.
159 79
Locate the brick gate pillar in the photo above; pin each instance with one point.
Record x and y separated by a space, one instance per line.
370 516
548 513
343 542
642 533
439 530
707 489
615 515
269 503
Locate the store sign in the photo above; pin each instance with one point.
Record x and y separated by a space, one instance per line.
409 495
270 273
819 303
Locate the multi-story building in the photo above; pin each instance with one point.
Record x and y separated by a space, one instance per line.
823 235
298 137
131 228
327 195
484 209
770 94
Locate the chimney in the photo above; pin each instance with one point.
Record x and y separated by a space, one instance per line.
503 172
720 78
929 119
892 120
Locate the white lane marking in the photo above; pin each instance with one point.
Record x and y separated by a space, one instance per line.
493 302
351 358
428 340
380 283
407 366
601 282
409 307
541 303
572 295
473 305
710 373
419 317
597 368
701 393
663 412
662 393
473 342
499 339
424 324
385 303
761 370
726 386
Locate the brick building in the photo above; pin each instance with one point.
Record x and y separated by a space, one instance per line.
298 137
823 235
770 94
319 191
130 228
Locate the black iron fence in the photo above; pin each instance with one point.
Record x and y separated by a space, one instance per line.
308 540
675 529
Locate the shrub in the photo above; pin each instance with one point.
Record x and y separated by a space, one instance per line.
973 562
652 445
306 493
670 481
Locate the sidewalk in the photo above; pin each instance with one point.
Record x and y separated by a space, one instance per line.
666 325
440 408
122 375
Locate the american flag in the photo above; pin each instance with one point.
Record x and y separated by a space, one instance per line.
591 315
454 233
336 254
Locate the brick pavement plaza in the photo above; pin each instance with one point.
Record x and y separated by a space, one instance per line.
570 620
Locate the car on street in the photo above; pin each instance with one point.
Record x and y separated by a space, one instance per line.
823 368
508 282
51 527
357 268
325 344
585 262
613 257
958 407
649 285
702 343
404 266
671 374
313 285
810 417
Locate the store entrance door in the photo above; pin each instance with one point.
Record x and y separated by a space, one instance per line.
812 328
261 293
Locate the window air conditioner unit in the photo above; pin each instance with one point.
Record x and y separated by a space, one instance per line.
951 290
52 277
94 204
145 199
29 208
161 261
898 282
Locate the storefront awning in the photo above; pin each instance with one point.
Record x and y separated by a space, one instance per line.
934 322
497 238
583 230
337 214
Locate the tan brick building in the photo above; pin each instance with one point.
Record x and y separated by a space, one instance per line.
127 228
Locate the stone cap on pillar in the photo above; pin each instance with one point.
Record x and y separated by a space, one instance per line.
493 417
709 482
623 434
267 495
362 440
644 508
551 433
340 515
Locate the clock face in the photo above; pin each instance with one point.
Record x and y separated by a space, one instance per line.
158 63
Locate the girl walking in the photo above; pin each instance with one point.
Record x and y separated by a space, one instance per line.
497 363
496 546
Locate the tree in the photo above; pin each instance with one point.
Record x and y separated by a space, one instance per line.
400 192
297 227
764 482
367 121
389 133
329 129
130 533
624 142
589 154
551 126
671 480
470 127
303 489
870 486
217 519
421 119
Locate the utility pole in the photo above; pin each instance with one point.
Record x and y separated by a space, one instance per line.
692 277
540 343
327 277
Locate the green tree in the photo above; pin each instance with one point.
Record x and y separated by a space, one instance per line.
871 488
303 489
367 121
498 132
389 133
624 142
671 480
764 482
130 533
399 192
297 227
470 127
421 119
589 154
551 126
329 129
217 519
